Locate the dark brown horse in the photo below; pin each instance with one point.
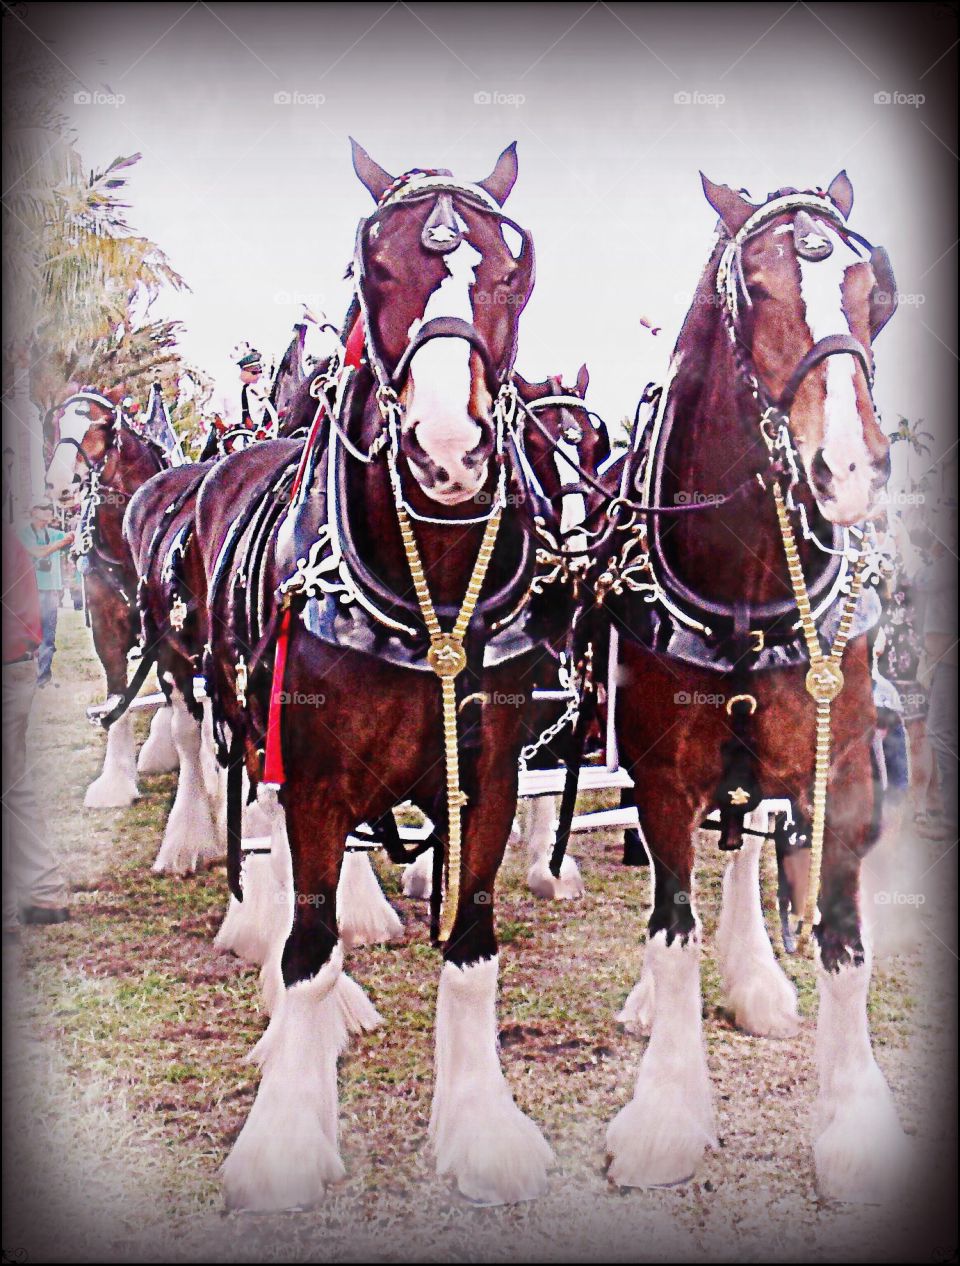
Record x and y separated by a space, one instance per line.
171 598
769 395
417 430
91 446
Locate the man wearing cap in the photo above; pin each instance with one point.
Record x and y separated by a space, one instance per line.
33 885
257 414
45 544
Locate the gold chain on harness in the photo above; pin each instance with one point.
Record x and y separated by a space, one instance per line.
448 658
824 682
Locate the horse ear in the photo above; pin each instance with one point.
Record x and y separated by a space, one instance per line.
372 176
583 380
521 381
883 297
504 175
732 208
841 193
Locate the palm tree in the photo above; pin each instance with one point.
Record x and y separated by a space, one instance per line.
912 434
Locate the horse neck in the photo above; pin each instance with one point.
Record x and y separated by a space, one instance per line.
137 461
733 553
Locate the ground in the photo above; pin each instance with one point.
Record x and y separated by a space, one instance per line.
126 1083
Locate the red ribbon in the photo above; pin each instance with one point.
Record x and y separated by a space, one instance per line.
273 770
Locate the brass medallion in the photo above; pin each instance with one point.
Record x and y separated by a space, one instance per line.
824 681
446 655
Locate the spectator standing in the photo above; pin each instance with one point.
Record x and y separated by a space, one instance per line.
33 885
45 543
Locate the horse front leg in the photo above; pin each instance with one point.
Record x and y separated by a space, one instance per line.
659 1137
116 787
861 1152
481 1139
288 1151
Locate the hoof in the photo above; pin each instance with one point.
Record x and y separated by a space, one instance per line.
111 791
495 1154
569 886
657 1140
417 881
863 1155
159 753
364 915
764 1003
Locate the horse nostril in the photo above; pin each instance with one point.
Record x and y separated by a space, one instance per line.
852 467
820 472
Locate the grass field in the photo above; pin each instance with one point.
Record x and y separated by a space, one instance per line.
126 1083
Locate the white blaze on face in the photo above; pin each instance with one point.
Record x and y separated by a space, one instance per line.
439 387
74 423
844 448
574 509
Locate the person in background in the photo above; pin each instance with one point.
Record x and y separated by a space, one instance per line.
45 544
937 585
33 885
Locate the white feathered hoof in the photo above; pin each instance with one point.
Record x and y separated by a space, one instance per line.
262 920
417 878
863 1155
287 1152
159 754
764 1003
364 915
114 789
190 840
658 1139
495 1154
569 886
637 1013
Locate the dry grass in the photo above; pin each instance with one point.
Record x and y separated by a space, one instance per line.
128 1085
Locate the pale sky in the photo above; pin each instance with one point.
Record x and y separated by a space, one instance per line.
256 203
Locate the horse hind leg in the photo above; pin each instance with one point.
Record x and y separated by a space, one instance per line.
365 916
762 999
541 830
191 838
256 929
116 787
158 755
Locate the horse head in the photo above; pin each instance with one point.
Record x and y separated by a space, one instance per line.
562 441
78 435
805 297
442 276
